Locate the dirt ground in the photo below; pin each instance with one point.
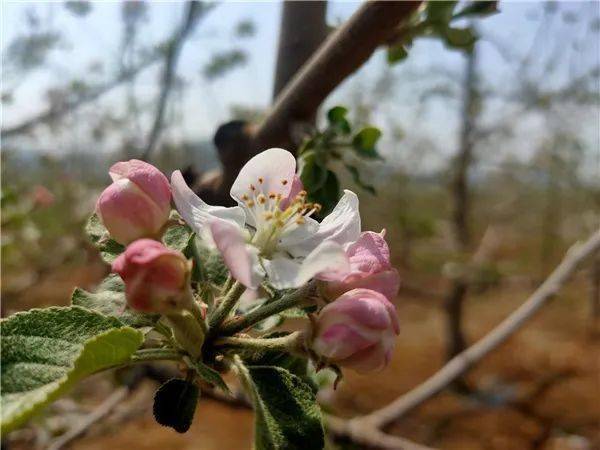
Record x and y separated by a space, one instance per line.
542 387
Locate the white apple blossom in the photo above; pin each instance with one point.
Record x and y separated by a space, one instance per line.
271 233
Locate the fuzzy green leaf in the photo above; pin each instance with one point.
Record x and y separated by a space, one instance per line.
286 412
99 236
179 237
210 375
109 299
46 351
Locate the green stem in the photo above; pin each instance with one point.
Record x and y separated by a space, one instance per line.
292 343
226 306
288 301
156 354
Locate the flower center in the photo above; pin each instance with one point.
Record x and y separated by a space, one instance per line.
275 216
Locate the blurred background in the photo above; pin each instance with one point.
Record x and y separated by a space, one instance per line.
490 171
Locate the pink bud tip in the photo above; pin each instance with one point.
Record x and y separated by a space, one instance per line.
155 277
358 330
137 203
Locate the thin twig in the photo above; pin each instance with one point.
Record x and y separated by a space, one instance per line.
288 301
194 10
466 359
104 409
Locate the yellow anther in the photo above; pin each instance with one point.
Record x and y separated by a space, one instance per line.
252 187
284 182
302 193
268 216
245 198
317 207
300 220
262 199
280 223
272 195
250 204
261 180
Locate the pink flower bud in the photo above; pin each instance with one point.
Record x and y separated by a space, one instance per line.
155 277
358 330
370 268
137 203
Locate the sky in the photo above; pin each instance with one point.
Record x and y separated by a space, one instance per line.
206 104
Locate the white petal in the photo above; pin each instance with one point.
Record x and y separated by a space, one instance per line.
240 258
196 212
342 225
328 258
291 241
275 167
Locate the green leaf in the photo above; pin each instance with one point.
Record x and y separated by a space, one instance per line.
209 266
179 237
46 351
337 118
175 404
364 142
461 38
328 195
313 173
396 53
356 177
99 236
439 12
286 412
478 8
210 375
109 300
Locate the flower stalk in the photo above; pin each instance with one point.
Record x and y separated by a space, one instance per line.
292 343
296 298
226 306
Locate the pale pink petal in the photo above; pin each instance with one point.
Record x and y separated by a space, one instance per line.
275 167
369 254
147 177
240 257
297 186
339 341
195 211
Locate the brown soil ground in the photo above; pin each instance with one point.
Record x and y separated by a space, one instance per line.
550 366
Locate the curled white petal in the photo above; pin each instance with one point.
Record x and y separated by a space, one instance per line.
195 211
328 259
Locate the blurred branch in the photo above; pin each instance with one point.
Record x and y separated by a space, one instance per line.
459 188
104 409
342 53
462 362
55 112
195 10
303 29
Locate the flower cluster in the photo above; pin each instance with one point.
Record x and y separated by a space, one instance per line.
270 239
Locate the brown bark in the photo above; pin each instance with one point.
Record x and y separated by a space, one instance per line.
303 28
456 341
342 53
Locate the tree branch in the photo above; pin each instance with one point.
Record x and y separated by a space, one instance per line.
466 359
347 49
195 9
56 111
